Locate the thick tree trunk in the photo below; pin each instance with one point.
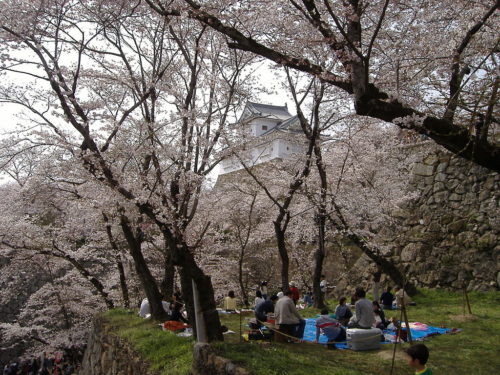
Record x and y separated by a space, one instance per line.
182 257
376 285
167 284
123 282
319 257
119 263
147 280
240 279
282 250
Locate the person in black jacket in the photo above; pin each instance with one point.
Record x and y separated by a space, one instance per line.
265 308
386 299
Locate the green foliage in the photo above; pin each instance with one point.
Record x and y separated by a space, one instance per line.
167 353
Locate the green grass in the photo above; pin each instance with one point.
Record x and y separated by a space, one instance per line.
167 353
472 351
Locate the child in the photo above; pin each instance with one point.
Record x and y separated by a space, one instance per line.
343 312
418 355
380 321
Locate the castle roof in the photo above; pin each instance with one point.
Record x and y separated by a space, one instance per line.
265 110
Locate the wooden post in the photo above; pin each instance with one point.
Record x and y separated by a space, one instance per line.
408 331
398 336
405 315
241 313
201 331
466 295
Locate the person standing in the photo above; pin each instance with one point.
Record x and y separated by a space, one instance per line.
287 316
263 289
295 292
323 285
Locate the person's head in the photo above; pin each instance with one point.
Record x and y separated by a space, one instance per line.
258 294
288 293
264 283
274 298
292 283
280 294
388 290
176 296
360 293
322 277
418 355
342 300
376 305
231 294
397 288
324 311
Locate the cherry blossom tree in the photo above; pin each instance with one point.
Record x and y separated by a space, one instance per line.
428 66
140 102
57 274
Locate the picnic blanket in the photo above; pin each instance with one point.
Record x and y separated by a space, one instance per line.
419 331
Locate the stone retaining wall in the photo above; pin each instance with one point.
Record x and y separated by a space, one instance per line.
448 236
206 362
108 354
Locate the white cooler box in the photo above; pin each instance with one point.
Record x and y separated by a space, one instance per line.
363 339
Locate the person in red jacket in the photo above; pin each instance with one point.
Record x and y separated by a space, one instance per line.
295 292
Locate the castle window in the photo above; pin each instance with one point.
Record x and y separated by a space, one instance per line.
264 127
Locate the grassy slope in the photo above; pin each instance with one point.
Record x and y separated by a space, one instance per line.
473 351
167 353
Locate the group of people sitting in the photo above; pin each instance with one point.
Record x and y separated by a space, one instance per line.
367 314
174 308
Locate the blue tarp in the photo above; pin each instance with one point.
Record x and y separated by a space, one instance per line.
310 333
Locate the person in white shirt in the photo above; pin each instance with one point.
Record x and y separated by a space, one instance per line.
323 284
145 309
